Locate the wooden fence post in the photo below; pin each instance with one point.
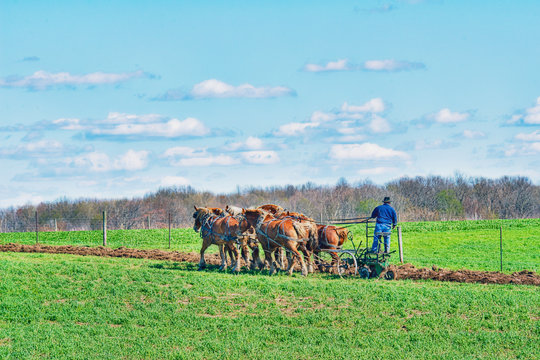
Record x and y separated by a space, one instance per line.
500 234
169 230
400 242
148 221
37 229
104 228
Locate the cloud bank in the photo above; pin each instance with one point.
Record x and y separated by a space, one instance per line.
42 80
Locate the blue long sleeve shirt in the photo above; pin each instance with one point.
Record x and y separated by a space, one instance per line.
385 214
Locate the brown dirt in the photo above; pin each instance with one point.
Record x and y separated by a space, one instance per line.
407 271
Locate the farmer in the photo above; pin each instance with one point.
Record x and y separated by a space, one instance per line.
386 221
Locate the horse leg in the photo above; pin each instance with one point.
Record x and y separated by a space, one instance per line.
256 262
223 255
307 257
237 256
297 256
245 253
268 258
205 245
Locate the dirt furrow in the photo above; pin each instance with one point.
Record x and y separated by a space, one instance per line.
406 271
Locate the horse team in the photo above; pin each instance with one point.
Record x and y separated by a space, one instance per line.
236 230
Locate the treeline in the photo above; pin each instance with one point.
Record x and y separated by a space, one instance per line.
415 199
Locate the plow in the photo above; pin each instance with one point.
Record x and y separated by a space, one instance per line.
358 261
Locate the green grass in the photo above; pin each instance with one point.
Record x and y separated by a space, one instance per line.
473 245
64 306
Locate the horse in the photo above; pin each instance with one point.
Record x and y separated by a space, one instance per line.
218 230
274 233
309 224
330 238
247 240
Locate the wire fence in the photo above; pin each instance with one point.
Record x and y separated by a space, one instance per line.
494 248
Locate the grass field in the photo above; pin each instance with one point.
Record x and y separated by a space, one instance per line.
65 306
453 244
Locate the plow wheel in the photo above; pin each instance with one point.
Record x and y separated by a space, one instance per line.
390 275
365 273
347 265
325 263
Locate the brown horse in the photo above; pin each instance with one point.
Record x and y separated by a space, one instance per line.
313 237
218 230
330 238
248 240
275 210
274 233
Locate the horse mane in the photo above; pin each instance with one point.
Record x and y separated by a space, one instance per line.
233 210
272 209
216 211
297 215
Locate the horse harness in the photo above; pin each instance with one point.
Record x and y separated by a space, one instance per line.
279 234
206 229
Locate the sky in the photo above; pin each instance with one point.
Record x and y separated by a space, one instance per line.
114 99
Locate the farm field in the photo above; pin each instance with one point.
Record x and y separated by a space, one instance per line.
454 244
65 306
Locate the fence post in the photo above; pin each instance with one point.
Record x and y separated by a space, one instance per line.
148 221
104 228
55 225
500 235
400 242
37 229
169 230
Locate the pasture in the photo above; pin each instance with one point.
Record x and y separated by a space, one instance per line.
472 245
66 306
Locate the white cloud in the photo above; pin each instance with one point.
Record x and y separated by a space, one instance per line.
169 129
20 200
69 124
221 160
445 116
379 125
375 105
365 151
391 65
187 156
251 143
321 116
138 126
428 145
376 171
527 149
41 80
37 149
534 136
471 134
101 162
213 88
132 160
533 114
295 128
168 181
182 151
261 157
339 65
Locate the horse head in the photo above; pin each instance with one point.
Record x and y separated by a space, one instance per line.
199 215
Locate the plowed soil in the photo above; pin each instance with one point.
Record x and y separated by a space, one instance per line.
407 271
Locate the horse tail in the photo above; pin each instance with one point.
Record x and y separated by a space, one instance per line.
300 229
343 235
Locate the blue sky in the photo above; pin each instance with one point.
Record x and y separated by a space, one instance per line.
115 99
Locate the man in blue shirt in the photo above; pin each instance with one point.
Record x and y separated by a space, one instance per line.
386 221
